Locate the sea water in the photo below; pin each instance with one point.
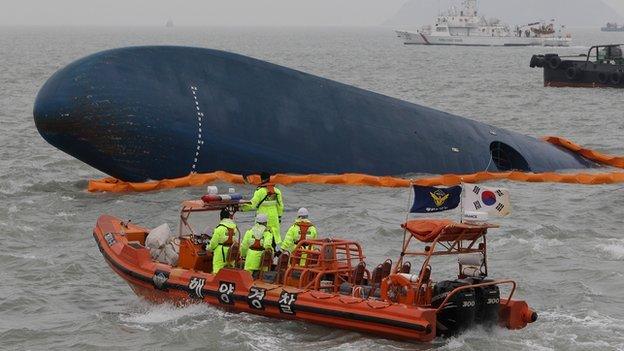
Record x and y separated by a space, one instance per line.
564 244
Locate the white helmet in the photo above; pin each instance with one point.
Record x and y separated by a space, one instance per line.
303 212
261 218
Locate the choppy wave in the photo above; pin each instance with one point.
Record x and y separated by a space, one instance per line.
167 314
614 248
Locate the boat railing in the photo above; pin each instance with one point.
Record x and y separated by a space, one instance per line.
323 264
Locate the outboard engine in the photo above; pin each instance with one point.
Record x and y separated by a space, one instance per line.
487 302
459 312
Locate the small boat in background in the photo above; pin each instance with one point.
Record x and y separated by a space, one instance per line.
603 66
169 23
550 35
612 27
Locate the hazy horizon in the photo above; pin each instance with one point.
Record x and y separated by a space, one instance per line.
206 12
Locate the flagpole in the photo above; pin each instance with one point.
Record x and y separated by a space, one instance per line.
399 263
461 204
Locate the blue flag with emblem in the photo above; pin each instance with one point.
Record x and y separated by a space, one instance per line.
429 199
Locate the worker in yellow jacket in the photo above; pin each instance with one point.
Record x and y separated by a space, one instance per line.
222 238
302 229
256 240
267 199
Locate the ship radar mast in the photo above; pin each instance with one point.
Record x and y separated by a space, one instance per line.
470 8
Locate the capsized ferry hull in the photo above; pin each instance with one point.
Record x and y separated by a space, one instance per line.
161 112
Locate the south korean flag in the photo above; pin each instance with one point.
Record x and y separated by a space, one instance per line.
494 201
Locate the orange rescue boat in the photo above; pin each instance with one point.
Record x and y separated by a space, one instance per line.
326 281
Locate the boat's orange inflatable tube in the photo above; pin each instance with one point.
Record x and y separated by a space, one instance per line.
295 298
236 290
195 179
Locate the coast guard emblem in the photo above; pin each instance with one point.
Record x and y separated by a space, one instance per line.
439 197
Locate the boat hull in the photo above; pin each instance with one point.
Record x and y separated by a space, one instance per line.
237 291
232 289
578 74
160 112
420 38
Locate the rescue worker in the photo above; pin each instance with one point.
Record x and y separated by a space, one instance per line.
222 239
256 240
267 199
302 229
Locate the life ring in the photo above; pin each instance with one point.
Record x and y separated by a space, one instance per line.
554 62
572 73
615 78
394 287
602 77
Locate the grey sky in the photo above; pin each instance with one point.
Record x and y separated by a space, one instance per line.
618 5
205 12
197 12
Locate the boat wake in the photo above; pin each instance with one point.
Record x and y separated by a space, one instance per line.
614 248
565 327
150 316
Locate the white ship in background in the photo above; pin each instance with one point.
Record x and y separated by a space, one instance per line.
465 27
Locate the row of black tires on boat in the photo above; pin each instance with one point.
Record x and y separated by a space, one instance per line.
558 70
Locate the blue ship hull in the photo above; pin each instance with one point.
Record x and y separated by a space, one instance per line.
158 112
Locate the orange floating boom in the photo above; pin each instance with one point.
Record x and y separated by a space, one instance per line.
195 179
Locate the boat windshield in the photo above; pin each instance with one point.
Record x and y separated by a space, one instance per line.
610 54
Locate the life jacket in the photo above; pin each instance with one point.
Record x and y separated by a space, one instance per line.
270 188
271 193
257 244
230 235
304 227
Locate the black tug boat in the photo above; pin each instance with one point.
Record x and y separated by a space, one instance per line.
603 67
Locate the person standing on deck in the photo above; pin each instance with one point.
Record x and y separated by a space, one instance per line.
267 199
222 239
